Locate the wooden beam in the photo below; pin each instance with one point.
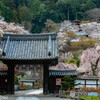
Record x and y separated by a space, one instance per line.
30 61
10 79
45 78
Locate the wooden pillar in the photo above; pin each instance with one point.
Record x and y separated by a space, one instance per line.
33 84
96 83
85 83
45 78
10 79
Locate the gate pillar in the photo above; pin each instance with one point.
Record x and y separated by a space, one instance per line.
45 78
10 79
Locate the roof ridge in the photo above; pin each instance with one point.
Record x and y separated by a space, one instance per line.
62 70
36 34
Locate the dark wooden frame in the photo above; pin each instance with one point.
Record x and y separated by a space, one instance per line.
12 63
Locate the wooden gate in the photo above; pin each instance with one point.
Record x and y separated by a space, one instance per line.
3 82
52 85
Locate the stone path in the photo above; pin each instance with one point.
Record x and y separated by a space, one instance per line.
34 98
34 94
29 92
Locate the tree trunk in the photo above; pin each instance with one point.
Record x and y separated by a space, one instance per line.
94 67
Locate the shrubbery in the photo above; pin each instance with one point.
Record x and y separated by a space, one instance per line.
16 81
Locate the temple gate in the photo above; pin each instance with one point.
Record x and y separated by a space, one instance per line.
19 49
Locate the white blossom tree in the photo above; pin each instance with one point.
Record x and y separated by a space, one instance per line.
92 29
11 28
65 56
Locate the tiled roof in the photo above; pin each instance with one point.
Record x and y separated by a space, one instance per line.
29 47
62 72
88 77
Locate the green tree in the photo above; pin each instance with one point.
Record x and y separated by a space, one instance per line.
74 61
23 3
71 61
68 82
50 4
24 14
15 16
97 3
88 5
78 62
61 9
10 3
16 80
25 17
6 12
39 15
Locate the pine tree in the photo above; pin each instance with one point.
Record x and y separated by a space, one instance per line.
68 82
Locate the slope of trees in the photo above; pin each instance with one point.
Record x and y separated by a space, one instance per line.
34 13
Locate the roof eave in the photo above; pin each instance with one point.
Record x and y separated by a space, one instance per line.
52 61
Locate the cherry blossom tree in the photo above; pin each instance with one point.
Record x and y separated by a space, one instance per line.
92 29
90 62
63 39
63 66
65 56
11 28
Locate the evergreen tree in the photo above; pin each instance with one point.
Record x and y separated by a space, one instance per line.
6 12
68 82
25 17
24 14
39 15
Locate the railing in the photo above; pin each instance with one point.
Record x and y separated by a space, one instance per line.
77 95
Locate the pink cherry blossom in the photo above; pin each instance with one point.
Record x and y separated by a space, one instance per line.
90 61
63 66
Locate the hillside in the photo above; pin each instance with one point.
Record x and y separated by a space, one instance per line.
32 14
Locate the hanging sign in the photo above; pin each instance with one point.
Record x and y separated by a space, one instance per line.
58 81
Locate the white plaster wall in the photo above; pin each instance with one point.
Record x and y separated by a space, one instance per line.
90 81
80 81
28 83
